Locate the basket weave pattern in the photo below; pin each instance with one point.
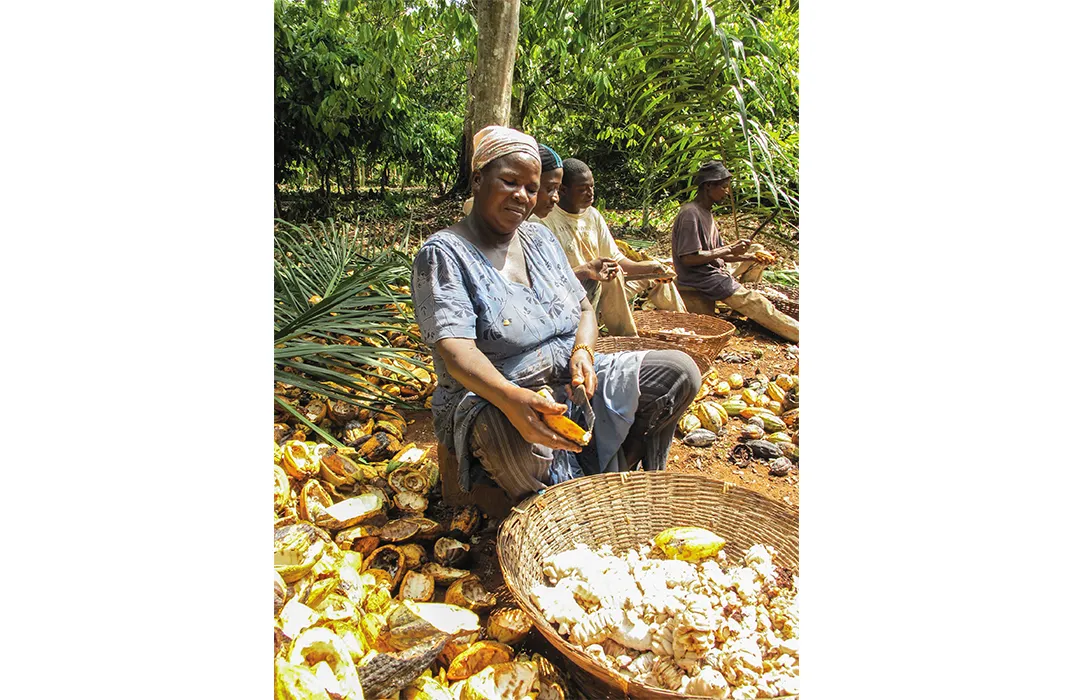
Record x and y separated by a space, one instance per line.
709 334
627 510
790 307
618 343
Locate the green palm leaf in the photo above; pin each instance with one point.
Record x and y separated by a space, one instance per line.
334 346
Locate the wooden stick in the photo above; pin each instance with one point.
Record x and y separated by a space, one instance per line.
733 206
763 225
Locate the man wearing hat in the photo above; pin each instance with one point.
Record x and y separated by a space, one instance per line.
700 258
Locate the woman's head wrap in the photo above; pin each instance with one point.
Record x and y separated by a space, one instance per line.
549 160
493 142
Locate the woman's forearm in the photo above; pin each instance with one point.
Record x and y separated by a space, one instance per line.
473 370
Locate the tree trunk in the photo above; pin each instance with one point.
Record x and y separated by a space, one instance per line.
518 108
491 81
496 49
465 150
383 180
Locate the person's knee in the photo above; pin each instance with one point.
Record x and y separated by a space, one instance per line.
691 381
688 374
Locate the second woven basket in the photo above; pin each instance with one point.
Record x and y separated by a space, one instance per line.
626 510
706 334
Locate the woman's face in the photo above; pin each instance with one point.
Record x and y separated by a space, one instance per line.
547 197
505 191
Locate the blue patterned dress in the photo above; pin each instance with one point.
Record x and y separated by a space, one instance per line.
526 332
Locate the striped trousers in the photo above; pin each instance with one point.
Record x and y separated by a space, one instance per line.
669 381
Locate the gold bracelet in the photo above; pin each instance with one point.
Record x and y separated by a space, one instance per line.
587 349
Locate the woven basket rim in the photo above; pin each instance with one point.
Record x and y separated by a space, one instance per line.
571 651
609 344
645 319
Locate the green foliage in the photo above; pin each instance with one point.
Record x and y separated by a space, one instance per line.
359 300
642 90
790 278
365 80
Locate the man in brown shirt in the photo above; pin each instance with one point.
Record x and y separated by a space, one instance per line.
700 257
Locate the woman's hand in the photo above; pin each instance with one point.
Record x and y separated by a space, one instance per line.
523 408
583 372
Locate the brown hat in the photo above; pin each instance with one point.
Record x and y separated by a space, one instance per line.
711 171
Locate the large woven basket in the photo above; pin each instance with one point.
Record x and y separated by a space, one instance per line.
627 510
620 343
709 334
789 307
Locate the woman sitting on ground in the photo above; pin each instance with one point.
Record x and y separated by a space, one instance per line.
504 314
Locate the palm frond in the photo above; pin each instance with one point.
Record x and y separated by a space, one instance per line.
339 305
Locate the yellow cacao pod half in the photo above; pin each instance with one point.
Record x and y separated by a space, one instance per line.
563 425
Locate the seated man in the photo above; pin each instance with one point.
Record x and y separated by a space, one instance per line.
596 259
700 258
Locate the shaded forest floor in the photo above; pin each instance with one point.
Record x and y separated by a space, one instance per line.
406 217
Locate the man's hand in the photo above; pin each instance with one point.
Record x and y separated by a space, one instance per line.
523 409
740 247
667 270
601 269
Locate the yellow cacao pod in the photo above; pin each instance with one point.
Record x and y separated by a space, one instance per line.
775 392
688 423
710 417
736 380
733 407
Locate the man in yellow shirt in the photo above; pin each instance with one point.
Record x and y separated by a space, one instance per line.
596 260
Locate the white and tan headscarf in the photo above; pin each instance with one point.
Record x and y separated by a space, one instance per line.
493 142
